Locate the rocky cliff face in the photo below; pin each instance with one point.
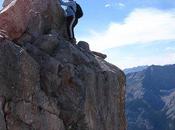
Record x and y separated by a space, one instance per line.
47 83
150 95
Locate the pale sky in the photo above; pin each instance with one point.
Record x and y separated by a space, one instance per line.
131 32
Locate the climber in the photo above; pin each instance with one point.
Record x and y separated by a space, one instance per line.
70 18
78 14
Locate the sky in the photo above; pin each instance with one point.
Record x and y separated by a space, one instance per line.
131 32
1 1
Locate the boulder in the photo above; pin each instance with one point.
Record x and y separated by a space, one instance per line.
35 17
103 56
14 18
83 45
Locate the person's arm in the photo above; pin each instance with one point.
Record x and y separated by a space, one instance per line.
66 3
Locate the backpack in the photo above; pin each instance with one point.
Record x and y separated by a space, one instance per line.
79 11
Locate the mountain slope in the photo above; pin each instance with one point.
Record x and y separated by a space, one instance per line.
150 98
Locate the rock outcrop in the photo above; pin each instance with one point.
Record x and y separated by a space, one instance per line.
47 83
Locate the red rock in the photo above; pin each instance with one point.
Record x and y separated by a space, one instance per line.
19 14
14 18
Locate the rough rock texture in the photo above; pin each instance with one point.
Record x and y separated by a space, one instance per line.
2 118
6 2
32 17
47 83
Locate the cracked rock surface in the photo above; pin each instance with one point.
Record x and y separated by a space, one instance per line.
48 83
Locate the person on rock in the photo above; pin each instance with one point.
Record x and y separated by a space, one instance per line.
70 18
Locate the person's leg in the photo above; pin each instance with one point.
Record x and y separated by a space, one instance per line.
68 21
75 22
72 28
70 31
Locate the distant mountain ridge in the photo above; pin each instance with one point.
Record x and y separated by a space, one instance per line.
150 98
135 69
